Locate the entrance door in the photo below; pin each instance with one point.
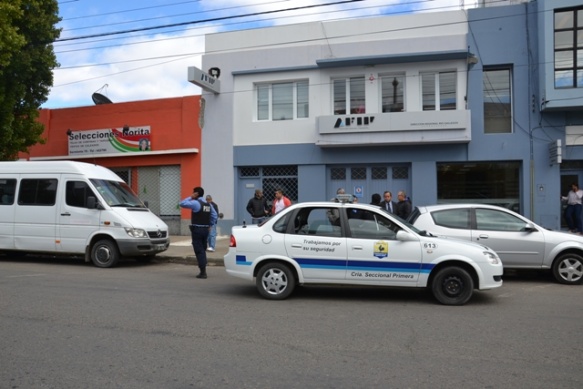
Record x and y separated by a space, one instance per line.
567 178
246 191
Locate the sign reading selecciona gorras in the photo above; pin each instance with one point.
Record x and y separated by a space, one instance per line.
110 141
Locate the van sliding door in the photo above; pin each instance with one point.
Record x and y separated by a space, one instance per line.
35 213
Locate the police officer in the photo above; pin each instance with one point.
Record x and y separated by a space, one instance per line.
203 218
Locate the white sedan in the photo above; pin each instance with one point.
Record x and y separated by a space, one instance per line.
356 244
520 243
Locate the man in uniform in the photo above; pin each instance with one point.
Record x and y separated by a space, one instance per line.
203 218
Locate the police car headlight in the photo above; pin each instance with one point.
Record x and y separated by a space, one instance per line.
492 257
136 232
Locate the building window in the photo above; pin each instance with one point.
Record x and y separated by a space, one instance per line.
569 48
497 101
378 173
400 172
439 91
495 183
338 173
393 93
349 95
283 101
358 173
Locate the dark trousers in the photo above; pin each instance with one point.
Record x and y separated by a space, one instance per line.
573 217
199 240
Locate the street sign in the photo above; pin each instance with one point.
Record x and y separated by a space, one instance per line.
204 80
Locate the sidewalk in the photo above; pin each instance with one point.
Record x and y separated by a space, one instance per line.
181 251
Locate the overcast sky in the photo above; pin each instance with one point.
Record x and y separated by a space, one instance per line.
140 50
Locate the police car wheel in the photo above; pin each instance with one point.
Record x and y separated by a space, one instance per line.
104 253
452 285
568 269
275 281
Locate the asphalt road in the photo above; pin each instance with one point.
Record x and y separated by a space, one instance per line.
65 324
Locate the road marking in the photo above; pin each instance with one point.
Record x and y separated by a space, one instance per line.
27 275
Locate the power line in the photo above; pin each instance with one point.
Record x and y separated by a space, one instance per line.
203 21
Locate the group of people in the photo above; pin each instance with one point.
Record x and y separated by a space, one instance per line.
402 207
258 208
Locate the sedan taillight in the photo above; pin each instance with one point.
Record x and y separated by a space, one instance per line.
233 242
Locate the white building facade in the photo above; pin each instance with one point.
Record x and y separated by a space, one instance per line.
317 106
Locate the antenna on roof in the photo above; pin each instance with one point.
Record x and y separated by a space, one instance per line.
98 98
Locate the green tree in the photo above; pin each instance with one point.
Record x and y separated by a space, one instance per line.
27 60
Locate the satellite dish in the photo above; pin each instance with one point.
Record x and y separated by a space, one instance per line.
99 99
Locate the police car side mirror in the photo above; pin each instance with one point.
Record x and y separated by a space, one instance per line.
405 236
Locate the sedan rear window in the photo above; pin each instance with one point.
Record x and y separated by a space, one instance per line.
452 218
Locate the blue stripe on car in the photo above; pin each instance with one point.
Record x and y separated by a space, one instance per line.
336 264
242 260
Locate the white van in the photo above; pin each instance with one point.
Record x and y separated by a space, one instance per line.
75 208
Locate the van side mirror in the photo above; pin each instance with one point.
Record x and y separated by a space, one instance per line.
92 203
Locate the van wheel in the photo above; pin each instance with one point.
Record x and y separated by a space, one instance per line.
104 253
452 285
275 281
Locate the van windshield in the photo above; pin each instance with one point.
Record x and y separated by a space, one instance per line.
117 194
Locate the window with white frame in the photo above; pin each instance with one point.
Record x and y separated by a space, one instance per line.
439 91
393 93
497 101
569 48
349 95
283 100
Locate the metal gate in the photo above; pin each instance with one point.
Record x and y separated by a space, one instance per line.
268 178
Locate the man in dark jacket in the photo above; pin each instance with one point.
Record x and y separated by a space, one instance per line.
257 207
403 206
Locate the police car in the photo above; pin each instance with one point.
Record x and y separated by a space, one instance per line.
347 243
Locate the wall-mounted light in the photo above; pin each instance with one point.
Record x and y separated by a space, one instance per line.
472 59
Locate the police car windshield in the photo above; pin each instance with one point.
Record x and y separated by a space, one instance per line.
117 194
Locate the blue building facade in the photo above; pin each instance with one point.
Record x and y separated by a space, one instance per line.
448 107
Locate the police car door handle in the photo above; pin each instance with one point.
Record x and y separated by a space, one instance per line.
483 236
296 245
66 214
357 247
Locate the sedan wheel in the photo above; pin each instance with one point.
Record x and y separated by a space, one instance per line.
568 269
275 281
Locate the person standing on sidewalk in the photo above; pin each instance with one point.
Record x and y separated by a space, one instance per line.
213 231
573 210
257 207
280 202
203 218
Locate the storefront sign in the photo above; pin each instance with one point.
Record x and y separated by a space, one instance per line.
110 141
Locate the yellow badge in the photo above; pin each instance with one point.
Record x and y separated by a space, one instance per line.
381 249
